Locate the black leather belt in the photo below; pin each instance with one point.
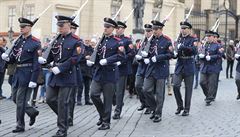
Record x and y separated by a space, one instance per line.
186 57
24 65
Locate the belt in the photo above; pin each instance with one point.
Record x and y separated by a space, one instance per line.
24 65
57 64
186 57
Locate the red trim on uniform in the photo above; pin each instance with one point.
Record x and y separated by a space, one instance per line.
165 36
127 37
116 38
75 36
35 39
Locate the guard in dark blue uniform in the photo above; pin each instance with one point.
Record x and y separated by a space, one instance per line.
142 69
109 51
184 70
72 100
209 67
25 55
157 70
64 54
237 76
125 68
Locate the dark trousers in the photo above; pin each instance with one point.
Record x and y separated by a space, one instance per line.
196 74
104 107
188 81
155 105
58 100
208 83
139 88
237 81
2 74
131 84
21 96
230 64
72 102
216 87
120 89
86 84
34 95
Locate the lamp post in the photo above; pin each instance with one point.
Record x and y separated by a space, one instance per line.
226 6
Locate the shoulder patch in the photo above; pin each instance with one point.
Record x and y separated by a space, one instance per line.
165 36
116 38
75 36
35 39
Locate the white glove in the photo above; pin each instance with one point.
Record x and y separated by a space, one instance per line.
55 70
208 58
175 53
237 56
138 57
103 62
118 63
32 84
201 55
5 57
144 53
146 61
178 46
154 59
89 63
42 60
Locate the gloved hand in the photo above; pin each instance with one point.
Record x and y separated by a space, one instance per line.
89 63
178 46
236 56
55 70
5 57
138 57
103 62
144 53
154 59
208 58
201 55
146 61
175 53
32 84
42 60
118 63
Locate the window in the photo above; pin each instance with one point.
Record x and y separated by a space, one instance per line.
215 4
30 12
11 15
197 5
114 10
182 1
233 6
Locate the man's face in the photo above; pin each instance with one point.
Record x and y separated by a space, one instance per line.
185 31
120 31
87 42
210 38
148 33
157 31
64 28
108 29
25 29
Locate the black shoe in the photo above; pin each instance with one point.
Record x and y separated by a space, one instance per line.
148 111
141 108
157 118
208 102
185 113
70 122
238 97
33 118
60 134
104 126
178 111
2 97
99 123
88 103
195 87
18 129
79 103
231 76
116 116
152 116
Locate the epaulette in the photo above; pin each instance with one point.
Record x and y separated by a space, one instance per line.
165 36
75 36
118 39
127 37
35 39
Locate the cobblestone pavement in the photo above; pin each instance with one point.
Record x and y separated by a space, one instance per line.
221 119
